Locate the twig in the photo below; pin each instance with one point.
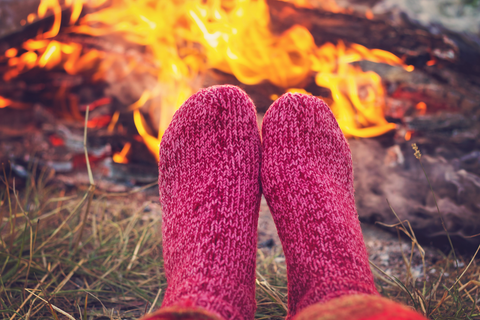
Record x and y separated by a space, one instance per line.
91 189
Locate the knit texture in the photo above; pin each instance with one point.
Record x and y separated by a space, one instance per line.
359 307
307 180
209 180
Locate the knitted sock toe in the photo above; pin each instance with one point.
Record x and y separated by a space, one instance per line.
210 192
307 180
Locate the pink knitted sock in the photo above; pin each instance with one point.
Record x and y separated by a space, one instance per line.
210 192
307 179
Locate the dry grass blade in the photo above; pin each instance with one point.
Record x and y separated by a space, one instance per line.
68 277
91 189
53 306
419 157
467 293
31 236
393 281
31 294
64 222
154 303
137 248
85 308
410 234
90 175
468 266
268 289
380 276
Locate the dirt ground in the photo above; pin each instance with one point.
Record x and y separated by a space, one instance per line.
384 248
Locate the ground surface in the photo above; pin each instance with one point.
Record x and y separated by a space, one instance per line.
384 248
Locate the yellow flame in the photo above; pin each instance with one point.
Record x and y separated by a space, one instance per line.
51 5
51 55
358 96
77 7
297 90
183 39
143 99
152 143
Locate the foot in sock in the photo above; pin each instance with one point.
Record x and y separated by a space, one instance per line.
307 180
209 178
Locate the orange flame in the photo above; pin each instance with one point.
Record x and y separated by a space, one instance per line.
369 14
152 143
10 53
4 102
184 38
421 107
121 157
31 17
408 135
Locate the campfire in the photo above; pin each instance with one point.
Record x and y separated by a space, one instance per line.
389 83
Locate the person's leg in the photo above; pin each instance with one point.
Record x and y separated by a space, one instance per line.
185 312
358 307
307 180
209 180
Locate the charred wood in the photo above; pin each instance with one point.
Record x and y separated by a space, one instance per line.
404 38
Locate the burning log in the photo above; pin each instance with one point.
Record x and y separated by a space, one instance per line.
404 38
139 81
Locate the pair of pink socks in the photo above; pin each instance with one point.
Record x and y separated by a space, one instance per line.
213 167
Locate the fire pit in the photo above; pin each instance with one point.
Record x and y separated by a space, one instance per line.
390 82
391 77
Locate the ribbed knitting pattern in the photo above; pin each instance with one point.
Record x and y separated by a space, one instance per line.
307 180
209 180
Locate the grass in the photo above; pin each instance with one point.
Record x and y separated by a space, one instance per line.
117 269
84 254
114 271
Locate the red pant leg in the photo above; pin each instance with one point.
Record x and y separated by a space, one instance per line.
181 313
359 307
